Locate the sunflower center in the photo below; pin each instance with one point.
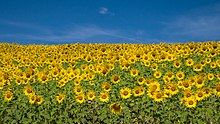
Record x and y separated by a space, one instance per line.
8 95
90 95
159 95
80 98
190 102
218 88
200 94
104 96
136 92
125 93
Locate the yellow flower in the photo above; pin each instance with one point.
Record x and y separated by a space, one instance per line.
207 91
173 89
199 95
27 90
190 102
39 100
8 96
134 72
80 98
91 95
138 91
158 96
210 76
140 80
189 62
116 108
32 98
106 86
115 78
200 82
186 85
60 98
180 75
78 89
125 93
198 67
217 90
157 74
188 93
104 97
154 67
177 64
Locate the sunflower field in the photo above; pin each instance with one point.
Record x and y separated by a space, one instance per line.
110 83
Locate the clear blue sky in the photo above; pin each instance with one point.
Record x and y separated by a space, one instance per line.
109 21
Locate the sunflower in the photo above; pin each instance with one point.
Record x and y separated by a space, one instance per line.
217 90
213 65
154 67
147 63
203 62
8 96
177 64
104 97
106 86
200 82
78 89
138 91
77 81
188 93
197 67
115 78
158 96
186 85
125 93
27 90
80 98
32 98
207 91
199 95
60 98
116 108
170 75
180 75
91 95
134 72
189 62
157 74
173 89
210 76
39 100
191 102
155 86
141 80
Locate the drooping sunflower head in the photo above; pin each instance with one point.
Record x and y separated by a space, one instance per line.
116 108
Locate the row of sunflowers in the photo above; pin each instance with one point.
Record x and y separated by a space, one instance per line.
102 83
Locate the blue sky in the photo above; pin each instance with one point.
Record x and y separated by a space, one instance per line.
109 21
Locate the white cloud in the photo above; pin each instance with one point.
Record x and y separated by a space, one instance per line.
103 10
200 24
70 33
